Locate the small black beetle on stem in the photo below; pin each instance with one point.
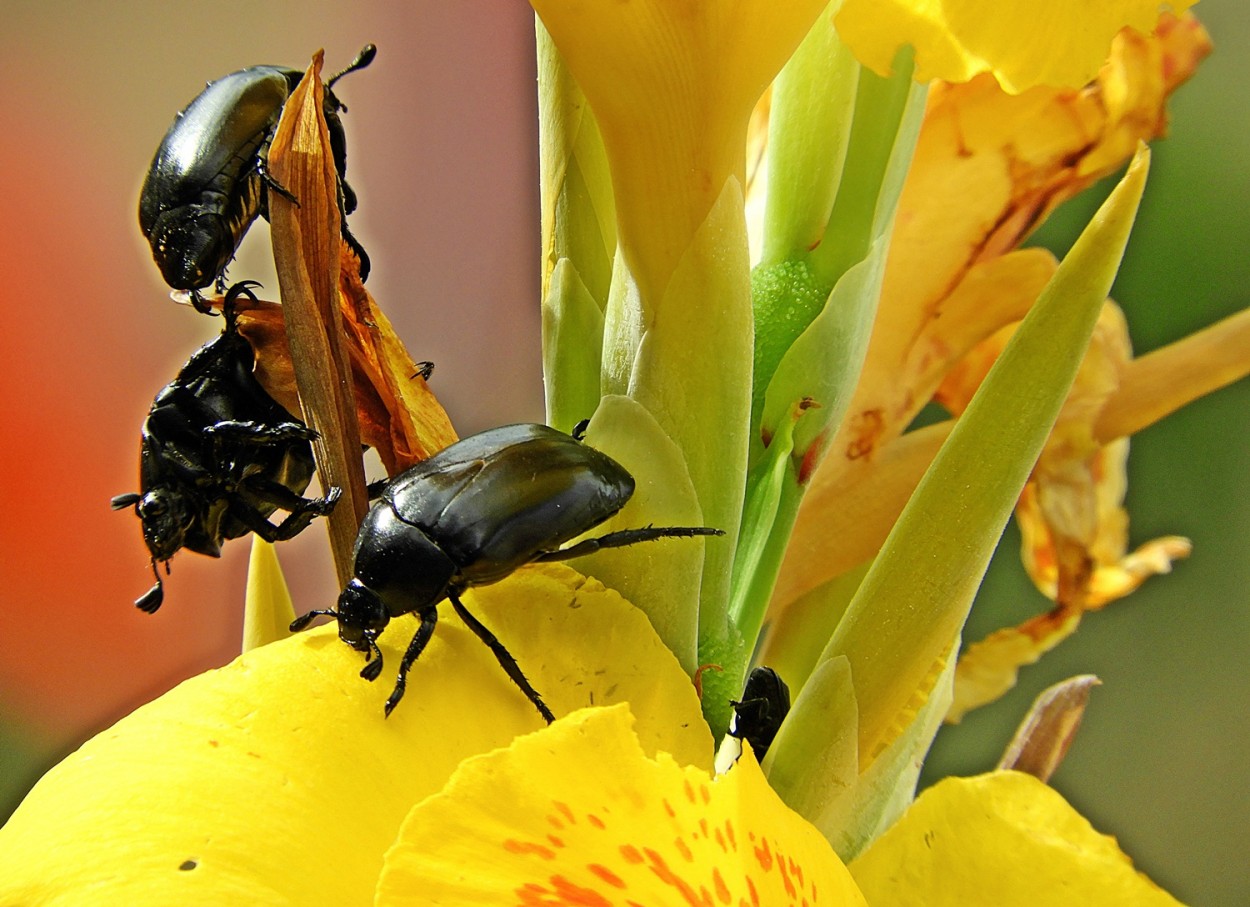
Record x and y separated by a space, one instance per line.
469 516
218 455
208 180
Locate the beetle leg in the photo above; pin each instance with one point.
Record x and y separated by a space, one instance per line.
420 639
262 169
232 431
302 510
502 655
623 537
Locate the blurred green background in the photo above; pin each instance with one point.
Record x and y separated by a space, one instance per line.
442 153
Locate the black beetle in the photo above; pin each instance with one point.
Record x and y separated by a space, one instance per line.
764 705
469 516
208 180
218 455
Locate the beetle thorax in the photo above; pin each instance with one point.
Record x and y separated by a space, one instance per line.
399 563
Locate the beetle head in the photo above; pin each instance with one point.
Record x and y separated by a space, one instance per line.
361 615
191 246
167 517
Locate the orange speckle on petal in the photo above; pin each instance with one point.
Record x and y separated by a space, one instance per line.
668 808
684 849
564 810
526 847
595 821
607 875
782 866
555 842
765 856
577 895
722 890
631 854
689 788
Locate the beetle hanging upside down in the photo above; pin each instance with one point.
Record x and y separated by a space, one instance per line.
209 178
219 455
469 516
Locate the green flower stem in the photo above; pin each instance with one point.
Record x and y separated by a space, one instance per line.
917 594
887 119
814 310
578 239
809 127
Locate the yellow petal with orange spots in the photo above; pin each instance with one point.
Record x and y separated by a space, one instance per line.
577 815
1060 43
229 788
1003 839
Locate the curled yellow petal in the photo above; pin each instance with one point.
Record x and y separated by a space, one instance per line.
577 814
672 84
1003 839
1058 43
228 789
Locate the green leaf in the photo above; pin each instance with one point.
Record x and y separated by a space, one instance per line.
660 577
572 343
916 596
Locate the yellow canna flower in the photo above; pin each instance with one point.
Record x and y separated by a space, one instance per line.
672 84
999 839
578 814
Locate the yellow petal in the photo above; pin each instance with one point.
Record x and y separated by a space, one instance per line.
577 814
672 84
230 788
1060 43
267 608
989 668
1000 840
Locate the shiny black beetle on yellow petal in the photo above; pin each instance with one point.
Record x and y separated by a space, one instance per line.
469 516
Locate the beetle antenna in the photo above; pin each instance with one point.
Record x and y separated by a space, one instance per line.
149 601
363 59
305 619
373 666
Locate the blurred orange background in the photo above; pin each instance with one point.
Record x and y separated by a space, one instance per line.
442 152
